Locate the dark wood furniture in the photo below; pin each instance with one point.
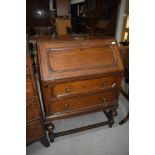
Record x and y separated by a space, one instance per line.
37 14
34 123
62 7
79 75
99 16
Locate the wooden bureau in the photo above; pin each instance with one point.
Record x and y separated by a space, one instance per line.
79 75
34 123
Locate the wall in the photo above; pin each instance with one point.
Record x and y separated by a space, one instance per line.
120 19
76 1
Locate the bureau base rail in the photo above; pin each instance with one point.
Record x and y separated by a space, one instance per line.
110 116
63 133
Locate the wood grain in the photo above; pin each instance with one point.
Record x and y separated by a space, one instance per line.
62 7
84 86
79 74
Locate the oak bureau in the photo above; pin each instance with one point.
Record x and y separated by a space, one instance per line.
79 75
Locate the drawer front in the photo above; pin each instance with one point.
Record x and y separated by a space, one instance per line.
29 87
32 110
34 131
106 99
84 86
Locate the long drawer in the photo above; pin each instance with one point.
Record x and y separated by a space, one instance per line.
84 86
32 109
106 98
34 131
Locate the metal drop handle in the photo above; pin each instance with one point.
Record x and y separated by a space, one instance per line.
113 85
66 106
103 98
105 86
67 89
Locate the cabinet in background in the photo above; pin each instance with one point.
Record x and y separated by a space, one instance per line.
62 7
34 122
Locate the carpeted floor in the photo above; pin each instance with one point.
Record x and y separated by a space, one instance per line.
98 141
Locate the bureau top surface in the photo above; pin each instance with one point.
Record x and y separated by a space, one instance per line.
77 55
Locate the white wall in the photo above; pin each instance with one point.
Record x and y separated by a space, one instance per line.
76 1
120 19
51 5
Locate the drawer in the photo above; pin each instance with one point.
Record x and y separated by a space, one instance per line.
84 86
34 131
32 110
107 98
29 87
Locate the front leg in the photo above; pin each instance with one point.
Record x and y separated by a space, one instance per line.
112 113
50 127
45 141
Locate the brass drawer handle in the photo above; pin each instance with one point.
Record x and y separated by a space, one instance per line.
67 89
113 85
103 98
105 86
66 106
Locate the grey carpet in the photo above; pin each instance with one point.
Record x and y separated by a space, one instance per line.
98 141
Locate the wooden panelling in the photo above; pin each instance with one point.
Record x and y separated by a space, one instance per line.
80 58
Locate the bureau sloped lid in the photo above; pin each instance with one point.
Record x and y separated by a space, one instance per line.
73 58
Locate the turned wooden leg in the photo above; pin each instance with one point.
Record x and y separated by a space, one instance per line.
110 115
50 128
45 141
